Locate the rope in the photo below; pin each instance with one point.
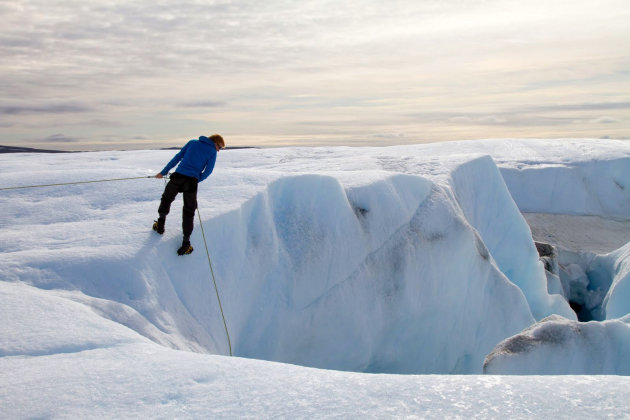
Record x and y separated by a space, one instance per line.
73 183
215 283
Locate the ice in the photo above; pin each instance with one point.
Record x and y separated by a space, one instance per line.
617 300
558 346
347 271
488 205
594 234
407 259
50 324
369 289
150 381
577 188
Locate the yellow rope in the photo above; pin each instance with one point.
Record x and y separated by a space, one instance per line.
215 283
73 183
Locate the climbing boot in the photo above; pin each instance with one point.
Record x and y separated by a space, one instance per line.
158 225
185 249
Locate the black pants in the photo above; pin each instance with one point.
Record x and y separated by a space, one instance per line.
181 184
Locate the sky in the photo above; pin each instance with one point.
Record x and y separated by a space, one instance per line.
98 75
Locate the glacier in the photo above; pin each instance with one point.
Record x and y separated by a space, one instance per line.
402 259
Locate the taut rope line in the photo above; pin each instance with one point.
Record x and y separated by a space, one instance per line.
216 289
73 183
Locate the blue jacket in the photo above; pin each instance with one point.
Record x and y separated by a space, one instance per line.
197 159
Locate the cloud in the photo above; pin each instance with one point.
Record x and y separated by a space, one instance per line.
506 119
587 106
59 108
605 120
388 135
479 119
60 138
346 68
99 122
461 119
203 104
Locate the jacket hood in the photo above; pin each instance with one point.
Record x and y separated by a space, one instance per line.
205 139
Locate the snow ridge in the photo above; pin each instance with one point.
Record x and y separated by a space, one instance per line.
557 346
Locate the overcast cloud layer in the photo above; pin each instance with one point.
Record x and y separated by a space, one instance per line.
121 74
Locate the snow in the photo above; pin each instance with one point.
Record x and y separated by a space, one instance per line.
354 261
559 346
617 300
487 204
581 186
596 234
360 281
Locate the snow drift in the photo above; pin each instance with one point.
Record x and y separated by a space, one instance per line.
557 346
589 187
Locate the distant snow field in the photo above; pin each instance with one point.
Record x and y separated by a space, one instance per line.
597 234
355 282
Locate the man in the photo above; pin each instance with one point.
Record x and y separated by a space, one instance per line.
196 161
